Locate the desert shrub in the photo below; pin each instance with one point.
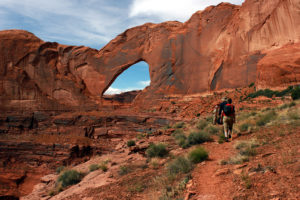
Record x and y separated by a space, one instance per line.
210 118
267 92
292 104
212 130
244 143
103 167
244 127
130 143
247 181
166 127
283 92
221 139
296 93
198 155
270 93
238 159
69 177
266 118
137 187
124 170
60 169
180 165
202 124
198 138
175 191
94 167
179 125
157 150
287 105
247 148
154 163
181 140
251 84
178 131
293 115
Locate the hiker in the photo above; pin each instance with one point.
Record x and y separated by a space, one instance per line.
216 119
228 114
224 102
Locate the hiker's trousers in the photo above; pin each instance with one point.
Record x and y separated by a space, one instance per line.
228 123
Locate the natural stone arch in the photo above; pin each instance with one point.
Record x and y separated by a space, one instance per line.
120 73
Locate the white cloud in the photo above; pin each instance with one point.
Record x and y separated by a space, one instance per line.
172 9
144 83
112 90
89 22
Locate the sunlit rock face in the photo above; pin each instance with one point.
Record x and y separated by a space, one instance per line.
224 46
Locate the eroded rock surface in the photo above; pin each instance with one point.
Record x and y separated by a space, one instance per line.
216 48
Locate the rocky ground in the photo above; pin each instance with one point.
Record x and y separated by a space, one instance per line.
79 140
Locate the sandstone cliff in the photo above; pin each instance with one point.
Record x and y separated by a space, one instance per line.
224 46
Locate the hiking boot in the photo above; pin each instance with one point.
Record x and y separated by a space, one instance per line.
229 136
226 139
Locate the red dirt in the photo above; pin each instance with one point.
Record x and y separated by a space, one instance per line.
274 173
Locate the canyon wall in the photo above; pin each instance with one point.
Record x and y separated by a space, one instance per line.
224 46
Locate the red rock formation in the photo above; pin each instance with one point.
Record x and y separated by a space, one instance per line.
217 48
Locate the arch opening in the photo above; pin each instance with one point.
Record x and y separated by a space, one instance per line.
134 79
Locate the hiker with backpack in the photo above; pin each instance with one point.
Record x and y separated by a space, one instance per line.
217 112
228 114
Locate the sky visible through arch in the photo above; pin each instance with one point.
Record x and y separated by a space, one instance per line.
94 23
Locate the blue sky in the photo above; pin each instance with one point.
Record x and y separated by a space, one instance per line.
94 23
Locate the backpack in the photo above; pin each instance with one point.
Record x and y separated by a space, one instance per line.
228 109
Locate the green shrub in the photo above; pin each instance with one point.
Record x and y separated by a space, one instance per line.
293 115
124 170
267 92
178 131
238 159
166 127
244 127
246 179
103 166
270 93
266 118
179 125
180 165
296 93
199 137
202 124
94 167
60 169
157 150
130 143
244 143
212 130
198 155
247 148
69 177
251 84
210 118
287 105
181 140
221 139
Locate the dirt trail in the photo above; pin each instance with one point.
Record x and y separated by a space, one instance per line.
208 180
